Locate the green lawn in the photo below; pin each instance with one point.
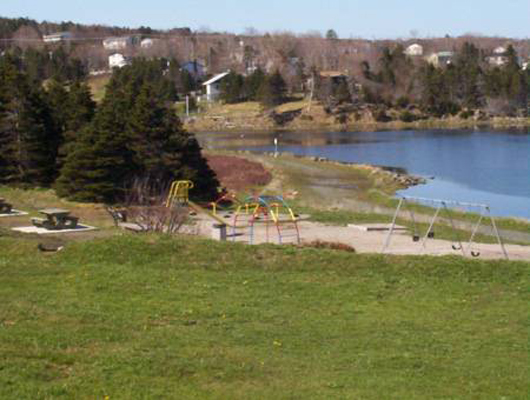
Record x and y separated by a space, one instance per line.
158 317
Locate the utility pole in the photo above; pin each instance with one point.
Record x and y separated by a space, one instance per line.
187 106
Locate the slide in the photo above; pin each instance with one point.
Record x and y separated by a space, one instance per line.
200 210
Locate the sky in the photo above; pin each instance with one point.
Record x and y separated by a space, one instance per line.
370 19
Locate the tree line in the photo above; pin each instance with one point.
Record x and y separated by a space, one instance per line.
270 90
52 134
465 84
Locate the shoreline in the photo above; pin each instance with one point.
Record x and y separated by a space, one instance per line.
430 124
398 176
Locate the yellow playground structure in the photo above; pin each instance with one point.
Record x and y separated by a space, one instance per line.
256 218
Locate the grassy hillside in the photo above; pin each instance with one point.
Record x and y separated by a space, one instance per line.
156 317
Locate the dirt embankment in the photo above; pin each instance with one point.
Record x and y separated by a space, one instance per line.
237 173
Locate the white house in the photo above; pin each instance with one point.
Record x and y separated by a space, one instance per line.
498 59
213 86
414 50
57 37
147 43
117 43
441 59
118 60
500 50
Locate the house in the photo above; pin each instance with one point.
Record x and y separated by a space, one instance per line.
57 37
117 43
195 68
500 51
213 86
147 43
499 58
336 77
118 60
414 50
441 59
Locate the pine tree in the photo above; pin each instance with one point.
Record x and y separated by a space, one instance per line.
163 151
342 92
232 88
121 146
331 35
78 113
187 83
272 91
28 137
98 167
253 83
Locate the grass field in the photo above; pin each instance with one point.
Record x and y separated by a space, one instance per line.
158 317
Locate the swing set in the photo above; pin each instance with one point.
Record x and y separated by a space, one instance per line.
443 207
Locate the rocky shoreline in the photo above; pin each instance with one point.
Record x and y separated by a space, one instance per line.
395 174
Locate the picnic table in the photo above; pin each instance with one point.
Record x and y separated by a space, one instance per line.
56 219
5 207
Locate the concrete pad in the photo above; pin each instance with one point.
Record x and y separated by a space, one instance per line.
376 227
44 231
14 213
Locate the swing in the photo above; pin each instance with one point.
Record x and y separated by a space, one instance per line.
415 235
467 249
457 244
475 253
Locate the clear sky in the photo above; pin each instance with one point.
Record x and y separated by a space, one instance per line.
350 18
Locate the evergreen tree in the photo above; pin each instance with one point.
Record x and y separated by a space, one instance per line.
163 151
147 144
81 107
98 167
78 114
187 82
28 137
253 83
272 91
231 88
342 92
331 35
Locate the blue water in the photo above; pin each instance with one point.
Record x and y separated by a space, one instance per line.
489 167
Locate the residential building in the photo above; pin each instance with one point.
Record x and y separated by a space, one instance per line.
118 60
414 50
335 77
57 37
213 86
147 43
498 59
195 68
441 59
117 43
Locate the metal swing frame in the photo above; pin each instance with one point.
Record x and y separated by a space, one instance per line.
444 205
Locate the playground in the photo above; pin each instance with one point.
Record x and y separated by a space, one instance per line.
259 219
279 207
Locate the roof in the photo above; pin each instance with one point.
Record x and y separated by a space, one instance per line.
193 63
215 78
116 38
445 54
58 34
332 74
